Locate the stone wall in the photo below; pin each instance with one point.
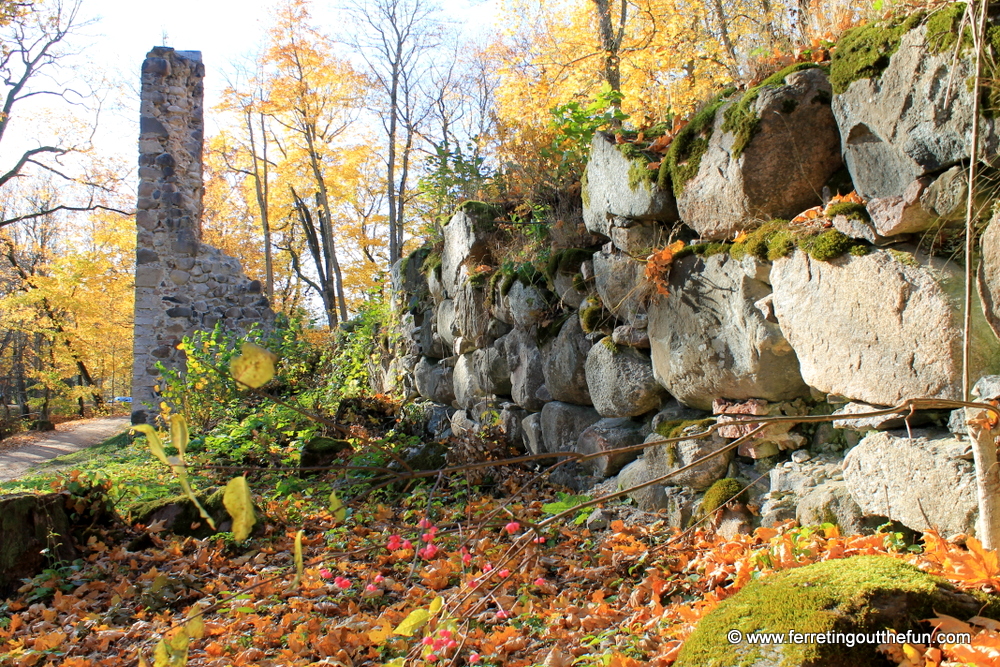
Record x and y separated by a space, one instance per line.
844 310
181 284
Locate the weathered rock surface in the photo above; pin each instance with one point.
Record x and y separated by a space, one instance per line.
465 242
924 483
609 435
667 457
908 122
925 203
709 339
480 374
564 365
989 274
608 192
621 283
434 380
524 361
791 481
621 380
562 423
875 329
831 502
781 171
531 426
528 304
30 525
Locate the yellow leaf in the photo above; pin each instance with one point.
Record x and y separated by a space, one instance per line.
195 626
239 504
298 561
416 620
254 367
396 662
436 605
179 434
153 439
337 508
380 634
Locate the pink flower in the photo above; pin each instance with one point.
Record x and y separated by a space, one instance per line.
429 535
539 581
451 643
326 574
342 582
474 658
379 578
504 573
512 527
371 588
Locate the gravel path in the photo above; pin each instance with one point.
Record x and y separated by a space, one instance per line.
19 458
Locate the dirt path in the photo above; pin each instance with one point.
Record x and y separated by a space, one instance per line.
22 453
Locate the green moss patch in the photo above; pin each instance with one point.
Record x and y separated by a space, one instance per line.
942 28
851 210
742 120
859 594
481 210
686 150
675 428
595 317
777 238
719 494
431 263
703 249
864 52
567 261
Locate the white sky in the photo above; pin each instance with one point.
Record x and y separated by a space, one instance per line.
123 31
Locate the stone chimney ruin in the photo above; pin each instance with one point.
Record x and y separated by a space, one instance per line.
181 284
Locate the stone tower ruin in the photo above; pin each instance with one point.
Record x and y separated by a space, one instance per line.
181 284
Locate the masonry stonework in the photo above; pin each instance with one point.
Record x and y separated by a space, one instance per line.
181 284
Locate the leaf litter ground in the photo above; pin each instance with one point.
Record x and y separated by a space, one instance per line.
439 577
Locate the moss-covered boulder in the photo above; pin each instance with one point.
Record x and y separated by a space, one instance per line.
903 103
860 594
180 516
34 531
320 452
767 154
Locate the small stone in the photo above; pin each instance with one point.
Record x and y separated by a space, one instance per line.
801 456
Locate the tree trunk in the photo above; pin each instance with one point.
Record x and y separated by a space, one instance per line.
984 451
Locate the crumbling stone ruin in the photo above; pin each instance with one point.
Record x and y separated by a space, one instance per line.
181 284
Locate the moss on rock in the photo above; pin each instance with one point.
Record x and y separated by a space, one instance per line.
864 52
859 594
595 317
719 494
849 209
567 261
740 118
776 239
180 516
827 245
686 150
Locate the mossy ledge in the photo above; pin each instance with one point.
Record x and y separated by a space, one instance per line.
595 317
567 261
777 238
859 594
686 150
719 494
483 212
743 122
864 52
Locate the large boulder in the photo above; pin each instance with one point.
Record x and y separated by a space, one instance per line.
480 374
466 242
678 502
831 502
524 361
444 324
562 423
878 328
429 338
528 304
621 380
434 380
472 322
925 483
621 283
769 154
615 186
564 364
607 437
912 120
714 335
669 457
34 530
989 275
848 595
